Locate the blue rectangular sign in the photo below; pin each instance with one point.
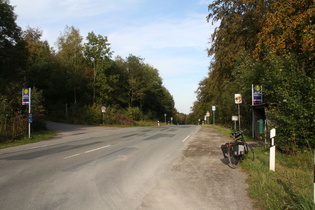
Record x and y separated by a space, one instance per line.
30 118
257 94
25 96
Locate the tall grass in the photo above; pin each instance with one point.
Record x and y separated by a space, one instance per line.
36 137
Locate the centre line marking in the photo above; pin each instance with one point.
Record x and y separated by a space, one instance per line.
186 138
92 150
71 156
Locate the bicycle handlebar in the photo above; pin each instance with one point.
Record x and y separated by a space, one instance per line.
237 134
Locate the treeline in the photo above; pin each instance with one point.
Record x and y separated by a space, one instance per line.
72 83
266 42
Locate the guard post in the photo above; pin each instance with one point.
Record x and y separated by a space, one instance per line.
272 159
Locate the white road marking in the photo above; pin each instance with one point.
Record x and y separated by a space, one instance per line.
92 150
186 138
71 156
37 147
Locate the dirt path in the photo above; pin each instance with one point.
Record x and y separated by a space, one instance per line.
200 179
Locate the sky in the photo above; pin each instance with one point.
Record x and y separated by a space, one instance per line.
170 35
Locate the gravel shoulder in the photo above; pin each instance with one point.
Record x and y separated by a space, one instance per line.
200 179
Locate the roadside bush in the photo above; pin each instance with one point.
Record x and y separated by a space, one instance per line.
292 90
116 116
134 113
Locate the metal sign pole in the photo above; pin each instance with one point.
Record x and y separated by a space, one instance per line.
239 118
29 114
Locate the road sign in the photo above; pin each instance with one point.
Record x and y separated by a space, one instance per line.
208 114
213 108
25 96
30 118
238 98
103 108
234 118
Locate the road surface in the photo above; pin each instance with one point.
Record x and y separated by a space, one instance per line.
87 167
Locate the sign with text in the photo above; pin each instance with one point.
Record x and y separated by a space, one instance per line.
25 96
238 98
208 114
257 94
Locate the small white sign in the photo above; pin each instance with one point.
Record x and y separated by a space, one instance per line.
103 108
213 108
235 118
238 98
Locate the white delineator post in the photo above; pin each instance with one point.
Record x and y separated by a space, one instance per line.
272 160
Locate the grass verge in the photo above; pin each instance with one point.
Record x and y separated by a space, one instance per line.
35 137
289 187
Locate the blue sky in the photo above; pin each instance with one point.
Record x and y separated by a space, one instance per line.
171 35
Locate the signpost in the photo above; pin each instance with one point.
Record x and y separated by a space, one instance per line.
208 115
103 111
213 110
26 100
235 118
238 101
257 98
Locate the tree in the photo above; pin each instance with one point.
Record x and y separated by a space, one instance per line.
12 47
289 28
39 60
240 22
96 49
12 71
71 55
136 80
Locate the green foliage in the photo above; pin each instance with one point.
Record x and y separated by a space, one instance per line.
12 48
70 54
95 51
134 113
292 90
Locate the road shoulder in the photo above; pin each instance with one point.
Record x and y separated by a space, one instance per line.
200 179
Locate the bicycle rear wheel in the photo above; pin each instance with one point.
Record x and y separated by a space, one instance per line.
233 159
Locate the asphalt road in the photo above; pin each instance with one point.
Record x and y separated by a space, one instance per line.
89 167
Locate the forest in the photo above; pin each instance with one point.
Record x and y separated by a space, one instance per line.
265 42
72 82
